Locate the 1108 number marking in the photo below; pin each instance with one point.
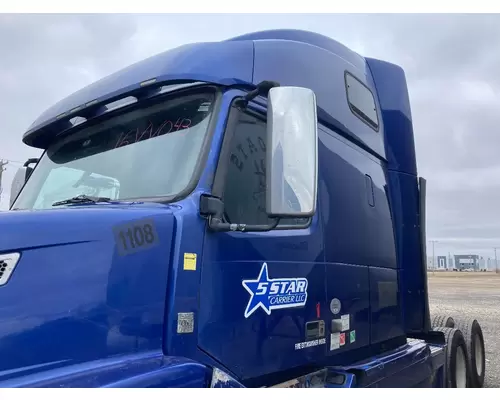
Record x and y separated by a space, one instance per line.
137 236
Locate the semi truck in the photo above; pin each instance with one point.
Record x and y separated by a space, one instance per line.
242 213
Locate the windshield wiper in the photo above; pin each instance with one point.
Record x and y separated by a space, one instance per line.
82 199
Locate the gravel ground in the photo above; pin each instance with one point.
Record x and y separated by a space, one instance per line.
474 295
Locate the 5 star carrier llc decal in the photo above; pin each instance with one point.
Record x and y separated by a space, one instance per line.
273 294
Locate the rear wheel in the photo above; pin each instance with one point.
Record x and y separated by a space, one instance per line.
474 341
443 320
457 367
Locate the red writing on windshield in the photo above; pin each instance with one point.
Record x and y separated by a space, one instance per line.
136 135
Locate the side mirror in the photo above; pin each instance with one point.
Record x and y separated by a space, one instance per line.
292 152
20 179
18 182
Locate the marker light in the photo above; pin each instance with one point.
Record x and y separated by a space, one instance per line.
148 82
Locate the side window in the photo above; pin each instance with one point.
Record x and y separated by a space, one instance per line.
245 183
361 101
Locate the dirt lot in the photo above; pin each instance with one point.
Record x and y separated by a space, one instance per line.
475 295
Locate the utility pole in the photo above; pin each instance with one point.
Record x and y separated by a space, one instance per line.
433 254
496 263
2 168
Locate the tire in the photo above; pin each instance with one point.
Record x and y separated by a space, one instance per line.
476 356
442 320
457 367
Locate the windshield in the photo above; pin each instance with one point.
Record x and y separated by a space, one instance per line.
143 153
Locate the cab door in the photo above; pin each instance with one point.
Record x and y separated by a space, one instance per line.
262 295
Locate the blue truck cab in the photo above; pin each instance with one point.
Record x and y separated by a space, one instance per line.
242 213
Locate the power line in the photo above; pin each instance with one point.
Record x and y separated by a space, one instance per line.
11 161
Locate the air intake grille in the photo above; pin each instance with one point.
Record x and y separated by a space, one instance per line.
7 264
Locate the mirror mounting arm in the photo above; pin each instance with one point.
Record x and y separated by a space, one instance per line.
262 89
217 225
213 208
30 161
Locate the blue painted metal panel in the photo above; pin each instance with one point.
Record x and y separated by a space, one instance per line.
225 63
260 344
438 353
283 61
403 191
392 91
141 370
311 38
407 366
184 294
355 232
236 62
386 319
350 285
228 258
73 297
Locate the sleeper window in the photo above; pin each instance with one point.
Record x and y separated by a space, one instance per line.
361 101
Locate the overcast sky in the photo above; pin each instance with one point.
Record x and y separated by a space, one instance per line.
452 64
